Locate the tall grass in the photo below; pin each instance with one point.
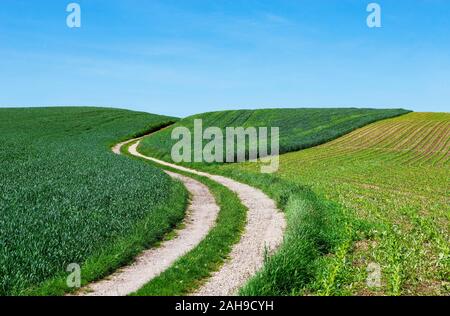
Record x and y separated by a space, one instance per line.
316 228
65 198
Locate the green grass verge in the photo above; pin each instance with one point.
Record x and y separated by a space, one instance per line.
316 228
190 271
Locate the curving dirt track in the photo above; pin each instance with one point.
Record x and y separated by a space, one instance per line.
200 218
263 232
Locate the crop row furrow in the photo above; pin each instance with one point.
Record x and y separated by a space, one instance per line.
404 152
446 150
436 146
415 141
427 141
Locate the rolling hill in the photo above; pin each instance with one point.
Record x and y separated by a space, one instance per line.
299 128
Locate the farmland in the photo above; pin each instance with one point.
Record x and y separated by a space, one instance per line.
299 128
387 187
65 198
316 226
373 192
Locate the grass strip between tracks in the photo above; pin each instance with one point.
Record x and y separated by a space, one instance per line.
189 272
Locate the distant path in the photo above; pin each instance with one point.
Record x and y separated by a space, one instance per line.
200 218
264 231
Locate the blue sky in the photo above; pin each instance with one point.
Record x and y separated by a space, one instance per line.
181 57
